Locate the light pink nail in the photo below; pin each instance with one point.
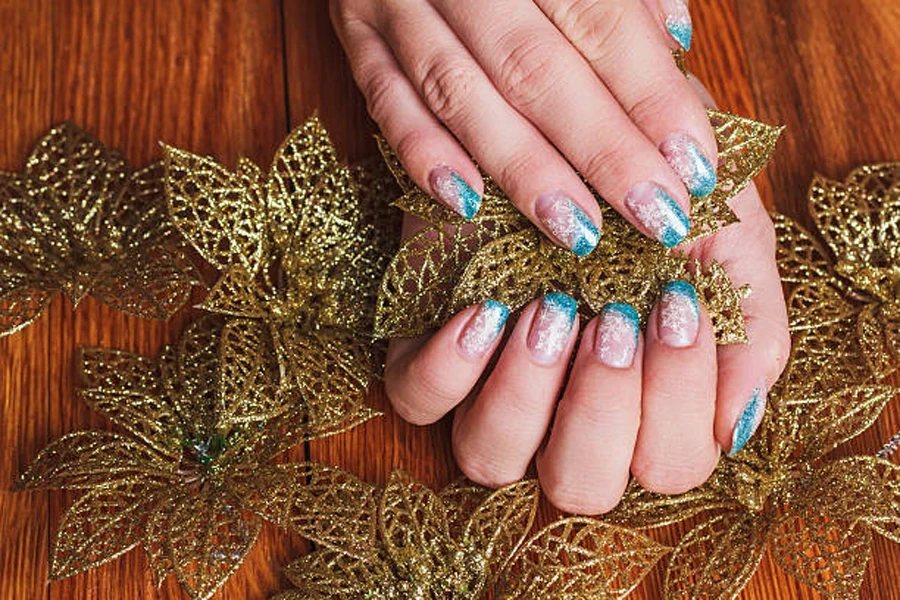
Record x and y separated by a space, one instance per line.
679 315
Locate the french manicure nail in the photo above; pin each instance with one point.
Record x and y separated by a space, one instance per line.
617 335
452 190
656 210
679 315
683 154
549 334
483 329
749 420
567 222
678 21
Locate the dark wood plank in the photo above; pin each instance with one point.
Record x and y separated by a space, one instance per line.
24 368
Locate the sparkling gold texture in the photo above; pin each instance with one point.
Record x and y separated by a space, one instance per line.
189 479
78 220
453 263
851 282
300 250
467 540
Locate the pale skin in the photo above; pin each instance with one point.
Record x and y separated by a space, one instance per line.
535 90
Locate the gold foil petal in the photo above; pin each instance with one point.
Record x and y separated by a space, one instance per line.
801 258
717 558
580 558
826 554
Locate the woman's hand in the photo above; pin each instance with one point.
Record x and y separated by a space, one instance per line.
532 90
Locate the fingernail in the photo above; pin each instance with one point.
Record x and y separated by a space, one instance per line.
483 329
567 222
678 21
452 190
617 335
679 315
749 420
656 210
687 160
551 327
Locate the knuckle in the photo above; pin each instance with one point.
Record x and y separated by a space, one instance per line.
482 470
516 170
414 394
608 162
526 70
446 83
654 105
673 476
595 27
380 93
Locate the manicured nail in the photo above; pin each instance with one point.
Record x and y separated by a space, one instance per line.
749 420
617 335
569 224
551 327
656 210
678 21
687 160
483 329
679 315
452 190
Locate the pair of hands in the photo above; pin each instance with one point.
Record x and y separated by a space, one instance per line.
534 91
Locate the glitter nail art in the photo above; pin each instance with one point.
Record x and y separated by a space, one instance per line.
690 164
679 315
483 329
551 328
749 420
452 190
567 222
658 212
617 335
678 21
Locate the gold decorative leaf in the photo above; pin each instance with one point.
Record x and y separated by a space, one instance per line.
826 554
816 304
78 221
326 574
879 338
722 301
799 255
717 558
323 504
100 526
578 558
641 509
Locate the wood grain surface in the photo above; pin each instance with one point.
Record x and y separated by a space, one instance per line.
230 77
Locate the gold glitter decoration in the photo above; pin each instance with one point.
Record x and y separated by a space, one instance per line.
77 220
816 515
851 283
465 541
189 479
300 259
453 263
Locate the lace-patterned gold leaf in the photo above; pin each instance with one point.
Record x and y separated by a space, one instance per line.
641 509
857 277
77 220
577 558
826 554
717 558
453 263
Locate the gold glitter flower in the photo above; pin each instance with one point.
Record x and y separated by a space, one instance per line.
498 254
300 262
850 287
79 221
815 515
188 479
466 541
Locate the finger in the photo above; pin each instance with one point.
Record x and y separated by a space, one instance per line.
636 64
584 467
746 371
537 178
426 379
496 435
544 77
434 160
676 450
674 19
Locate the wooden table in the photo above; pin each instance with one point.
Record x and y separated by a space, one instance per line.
232 77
